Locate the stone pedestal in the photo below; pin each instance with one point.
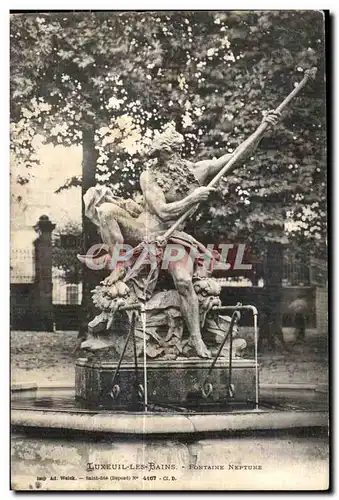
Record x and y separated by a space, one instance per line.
43 274
177 383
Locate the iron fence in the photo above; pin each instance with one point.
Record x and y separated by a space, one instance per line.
22 265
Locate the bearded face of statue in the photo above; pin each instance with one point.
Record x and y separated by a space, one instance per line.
167 144
178 142
166 154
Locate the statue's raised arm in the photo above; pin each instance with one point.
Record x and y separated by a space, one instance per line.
165 212
207 169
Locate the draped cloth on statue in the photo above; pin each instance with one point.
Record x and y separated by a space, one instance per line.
147 261
98 195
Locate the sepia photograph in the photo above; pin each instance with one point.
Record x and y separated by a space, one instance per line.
168 253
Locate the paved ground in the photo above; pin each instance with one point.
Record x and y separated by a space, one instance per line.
47 357
307 363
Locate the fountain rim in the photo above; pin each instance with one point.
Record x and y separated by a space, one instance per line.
154 424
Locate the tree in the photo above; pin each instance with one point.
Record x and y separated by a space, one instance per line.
94 54
122 76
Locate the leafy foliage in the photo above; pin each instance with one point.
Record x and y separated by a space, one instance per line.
213 74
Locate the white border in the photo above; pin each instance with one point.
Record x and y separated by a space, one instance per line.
4 184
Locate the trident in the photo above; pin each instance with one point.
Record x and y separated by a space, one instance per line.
231 165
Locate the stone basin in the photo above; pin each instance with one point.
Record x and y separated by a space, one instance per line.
57 444
185 383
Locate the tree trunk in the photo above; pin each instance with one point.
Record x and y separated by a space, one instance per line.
271 318
90 278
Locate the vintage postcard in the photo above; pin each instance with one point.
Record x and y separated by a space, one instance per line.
169 298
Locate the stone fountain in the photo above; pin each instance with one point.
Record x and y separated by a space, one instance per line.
161 361
176 348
